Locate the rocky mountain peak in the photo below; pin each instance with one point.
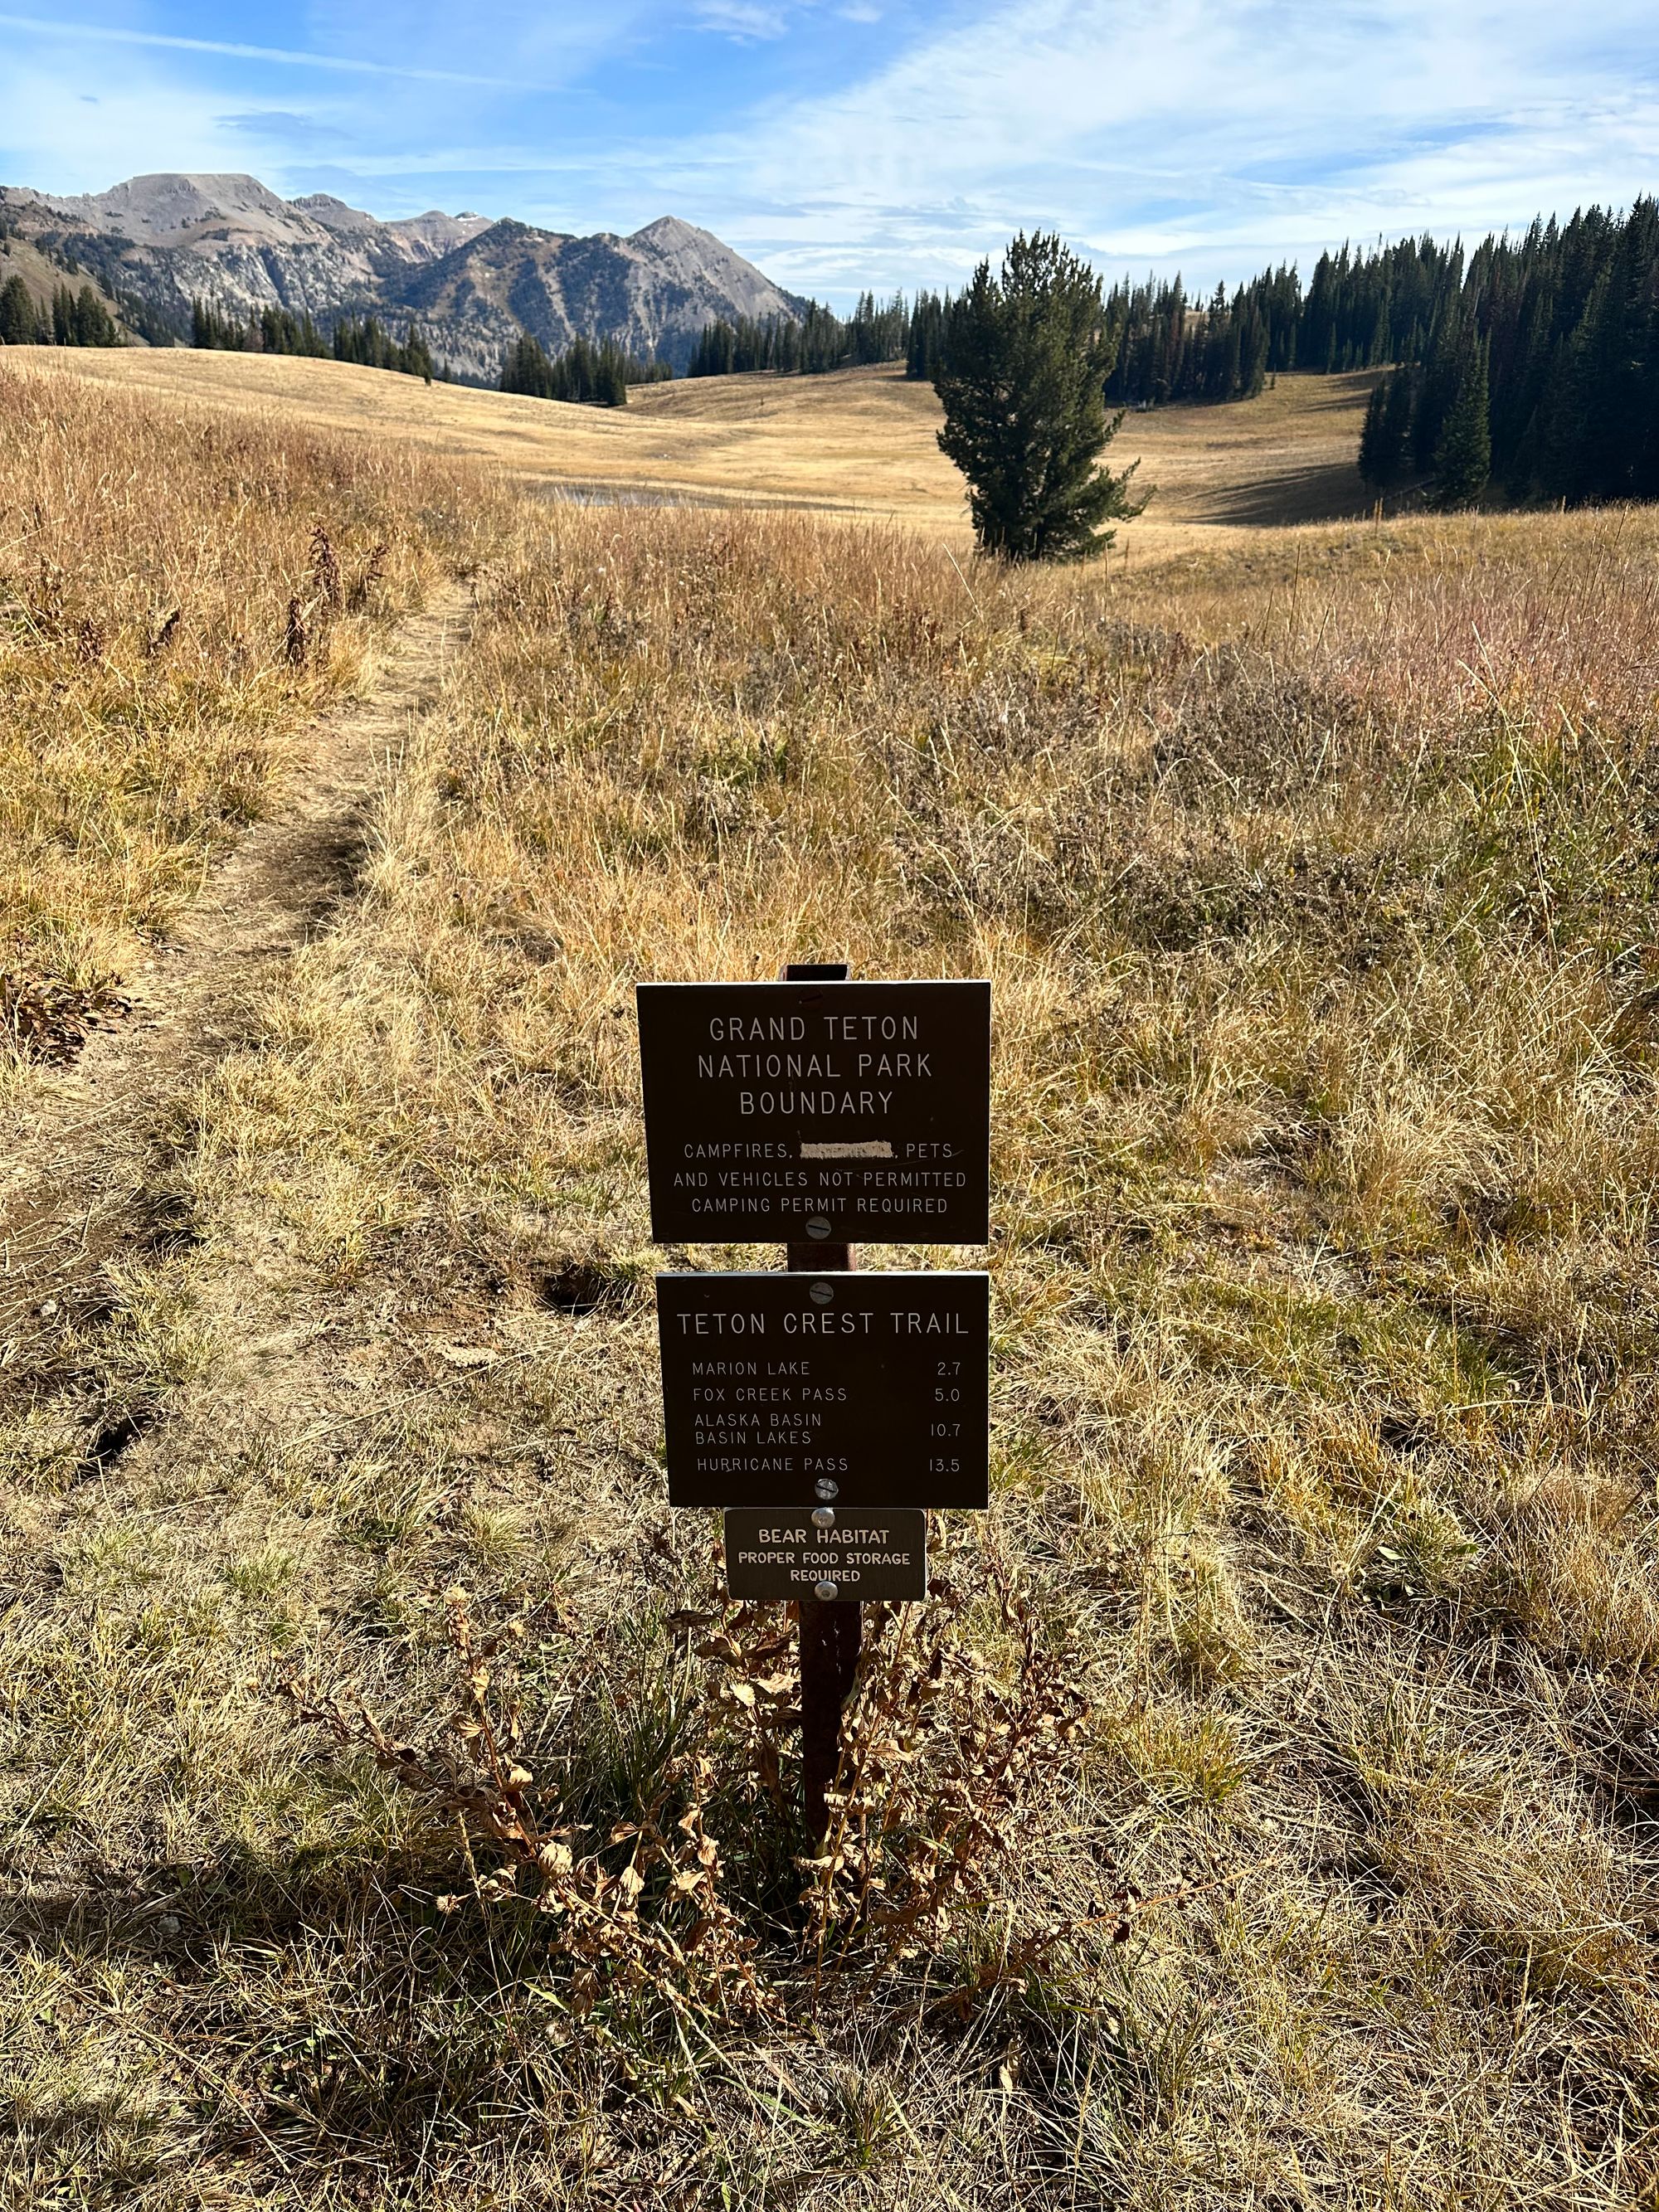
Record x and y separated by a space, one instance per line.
169 204
337 214
671 233
475 284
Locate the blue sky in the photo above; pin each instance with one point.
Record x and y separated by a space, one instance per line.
839 143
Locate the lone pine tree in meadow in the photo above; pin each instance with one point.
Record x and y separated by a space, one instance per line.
1022 379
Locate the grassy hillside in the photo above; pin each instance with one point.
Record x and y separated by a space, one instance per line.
1268 1806
43 275
859 442
179 595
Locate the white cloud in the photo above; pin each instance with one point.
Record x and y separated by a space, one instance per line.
1215 132
743 19
1212 135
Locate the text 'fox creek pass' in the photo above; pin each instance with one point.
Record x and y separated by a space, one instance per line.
799 1389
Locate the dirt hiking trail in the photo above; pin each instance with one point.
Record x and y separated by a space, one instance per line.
72 1166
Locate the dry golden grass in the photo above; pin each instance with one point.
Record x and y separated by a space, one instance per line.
151 680
860 442
1317 887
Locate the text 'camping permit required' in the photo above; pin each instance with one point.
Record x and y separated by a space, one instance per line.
797 1112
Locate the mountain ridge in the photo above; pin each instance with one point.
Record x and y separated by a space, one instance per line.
475 283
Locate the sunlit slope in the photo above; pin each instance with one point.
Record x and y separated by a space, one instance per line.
862 441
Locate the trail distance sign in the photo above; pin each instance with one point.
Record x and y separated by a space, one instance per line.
850 1113
826 1554
796 1390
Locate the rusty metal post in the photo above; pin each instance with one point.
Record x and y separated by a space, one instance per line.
831 1635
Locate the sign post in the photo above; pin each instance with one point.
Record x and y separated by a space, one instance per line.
831 1629
824 1409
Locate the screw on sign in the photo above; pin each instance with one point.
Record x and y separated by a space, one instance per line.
825 1415
830 1553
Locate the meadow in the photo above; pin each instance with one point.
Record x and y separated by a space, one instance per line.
179 598
860 443
1263 1814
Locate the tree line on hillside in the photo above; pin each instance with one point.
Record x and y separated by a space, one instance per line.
819 341
1359 310
1166 345
1161 345
68 319
1532 362
1538 361
595 373
151 324
371 347
279 330
268 330
1536 368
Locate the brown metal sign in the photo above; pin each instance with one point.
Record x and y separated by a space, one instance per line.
826 1554
829 1112
796 1390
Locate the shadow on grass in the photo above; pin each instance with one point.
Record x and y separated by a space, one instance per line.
1329 492
337 2034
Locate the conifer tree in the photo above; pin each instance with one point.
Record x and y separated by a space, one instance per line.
1385 441
1021 382
1438 385
1395 445
1462 456
928 317
596 374
1370 438
21 320
91 323
817 342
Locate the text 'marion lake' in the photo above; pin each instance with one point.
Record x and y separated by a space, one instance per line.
791 1390
847 1112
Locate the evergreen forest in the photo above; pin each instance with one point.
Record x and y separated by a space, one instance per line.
1531 363
1536 368
68 319
589 373
821 340
279 330
272 330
